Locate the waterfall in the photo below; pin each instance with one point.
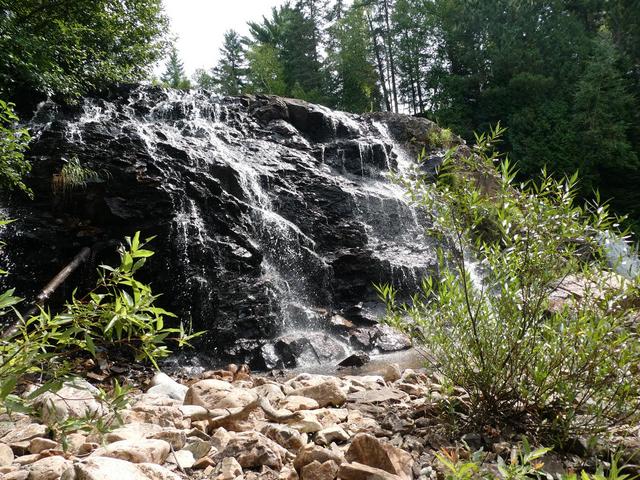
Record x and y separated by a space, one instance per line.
269 220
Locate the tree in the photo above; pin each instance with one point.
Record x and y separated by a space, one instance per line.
203 79
265 73
229 74
173 75
355 80
67 47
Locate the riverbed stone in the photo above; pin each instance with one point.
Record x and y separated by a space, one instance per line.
253 449
368 450
319 471
49 468
6 455
136 451
326 393
212 394
331 434
295 403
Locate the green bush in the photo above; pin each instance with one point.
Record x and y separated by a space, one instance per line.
490 324
13 143
118 316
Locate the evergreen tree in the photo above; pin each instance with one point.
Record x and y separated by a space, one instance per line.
173 75
229 75
355 79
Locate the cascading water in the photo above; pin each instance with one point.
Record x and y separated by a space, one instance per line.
273 217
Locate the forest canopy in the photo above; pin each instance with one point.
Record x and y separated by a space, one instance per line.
563 76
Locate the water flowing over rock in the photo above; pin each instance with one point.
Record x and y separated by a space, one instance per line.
272 215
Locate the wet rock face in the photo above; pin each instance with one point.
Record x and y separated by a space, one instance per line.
271 214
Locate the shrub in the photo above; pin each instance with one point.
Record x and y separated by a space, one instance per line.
118 316
491 323
13 143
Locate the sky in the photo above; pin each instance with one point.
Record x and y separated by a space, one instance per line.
199 26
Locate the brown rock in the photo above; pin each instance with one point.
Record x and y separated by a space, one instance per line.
286 437
203 463
311 453
368 450
320 471
358 471
38 444
227 469
253 449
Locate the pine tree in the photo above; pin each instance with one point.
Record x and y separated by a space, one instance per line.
229 75
603 113
173 75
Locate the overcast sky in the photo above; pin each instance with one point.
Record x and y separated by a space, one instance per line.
200 25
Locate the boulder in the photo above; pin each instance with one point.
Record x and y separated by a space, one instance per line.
332 434
104 468
295 403
136 451
319 471
76 399
212 394
24 434
287 437
227 469
132 431
38 444
49 468
311 453
6 455
182 458
357 359
253 449
359 471
326 393
368 450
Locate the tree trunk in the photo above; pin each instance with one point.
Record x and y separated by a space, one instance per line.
376 49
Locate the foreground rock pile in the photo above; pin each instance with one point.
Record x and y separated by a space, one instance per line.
228 425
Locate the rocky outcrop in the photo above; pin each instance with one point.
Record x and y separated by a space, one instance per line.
274 217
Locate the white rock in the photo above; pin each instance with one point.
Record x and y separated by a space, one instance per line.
182 458
213 394
227 469
136 451
24 433
335 434
105 468
325 393
165 385
295 403
270 391
156 472
133 431
6 455
49 468
76 399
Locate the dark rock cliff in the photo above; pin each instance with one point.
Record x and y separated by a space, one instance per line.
273 217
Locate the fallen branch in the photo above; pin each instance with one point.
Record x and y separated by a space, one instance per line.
217 419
